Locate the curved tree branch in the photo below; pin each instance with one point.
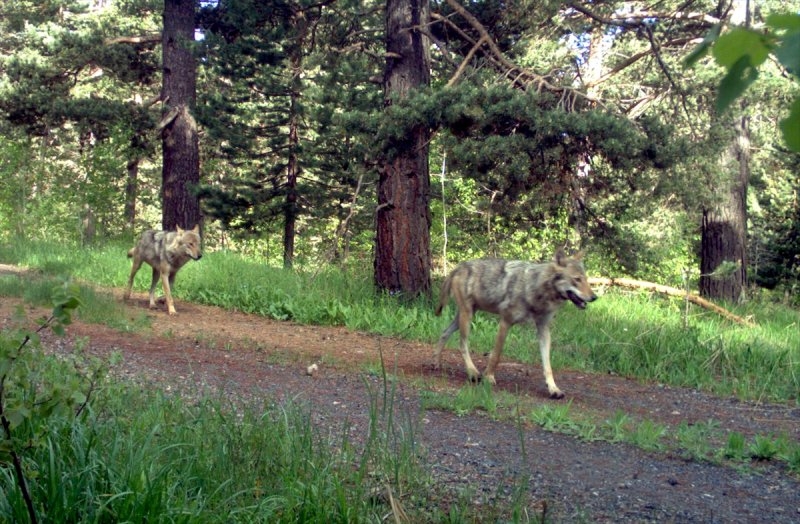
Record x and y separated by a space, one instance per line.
521 77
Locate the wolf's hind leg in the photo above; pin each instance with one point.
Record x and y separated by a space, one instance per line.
446 334
153 285
137 263
464 319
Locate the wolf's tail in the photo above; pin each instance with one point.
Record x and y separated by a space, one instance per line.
444 296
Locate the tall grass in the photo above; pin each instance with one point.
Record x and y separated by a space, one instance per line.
133 454
144 457
632 334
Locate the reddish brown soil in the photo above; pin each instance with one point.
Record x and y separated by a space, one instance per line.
209 349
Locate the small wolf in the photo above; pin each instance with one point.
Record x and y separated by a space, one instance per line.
166 252
517 291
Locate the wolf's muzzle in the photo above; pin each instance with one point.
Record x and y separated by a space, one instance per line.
579 302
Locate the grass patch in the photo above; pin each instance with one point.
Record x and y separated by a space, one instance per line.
97 307
468 399
206 462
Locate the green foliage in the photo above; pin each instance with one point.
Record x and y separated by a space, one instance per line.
310 86
468 399
34 394
763 448
735 447
525 171
514 163
742 51
554 417
776 227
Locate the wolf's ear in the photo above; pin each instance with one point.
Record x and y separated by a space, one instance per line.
561 257
196 228
578 255
178 229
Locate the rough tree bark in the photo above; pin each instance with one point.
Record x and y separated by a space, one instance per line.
402 246
724 226
181 155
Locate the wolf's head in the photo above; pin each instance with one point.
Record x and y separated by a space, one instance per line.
570 279
189 242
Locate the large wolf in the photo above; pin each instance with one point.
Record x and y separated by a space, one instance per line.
517 291
166 252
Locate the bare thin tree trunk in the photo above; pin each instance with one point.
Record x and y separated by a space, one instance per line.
293 167
131 192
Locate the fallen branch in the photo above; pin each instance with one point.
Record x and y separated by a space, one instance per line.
671 291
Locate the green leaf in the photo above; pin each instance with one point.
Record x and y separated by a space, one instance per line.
17 415
5 366
738 43
738 79
788 53
702 48
786 21
790 126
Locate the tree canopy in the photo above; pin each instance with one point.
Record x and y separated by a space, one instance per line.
545 124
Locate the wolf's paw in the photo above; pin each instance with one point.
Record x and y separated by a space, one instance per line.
557 394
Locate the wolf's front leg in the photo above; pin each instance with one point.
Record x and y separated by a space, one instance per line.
167 293
543 330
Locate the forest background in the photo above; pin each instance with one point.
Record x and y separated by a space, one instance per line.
403 135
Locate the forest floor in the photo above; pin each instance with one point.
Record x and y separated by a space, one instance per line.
206 349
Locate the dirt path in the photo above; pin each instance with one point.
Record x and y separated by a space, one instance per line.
204 348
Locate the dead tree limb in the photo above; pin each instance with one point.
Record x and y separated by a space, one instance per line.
673 292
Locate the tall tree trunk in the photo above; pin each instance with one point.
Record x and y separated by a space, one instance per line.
292 166
181 155
724 227
402 246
